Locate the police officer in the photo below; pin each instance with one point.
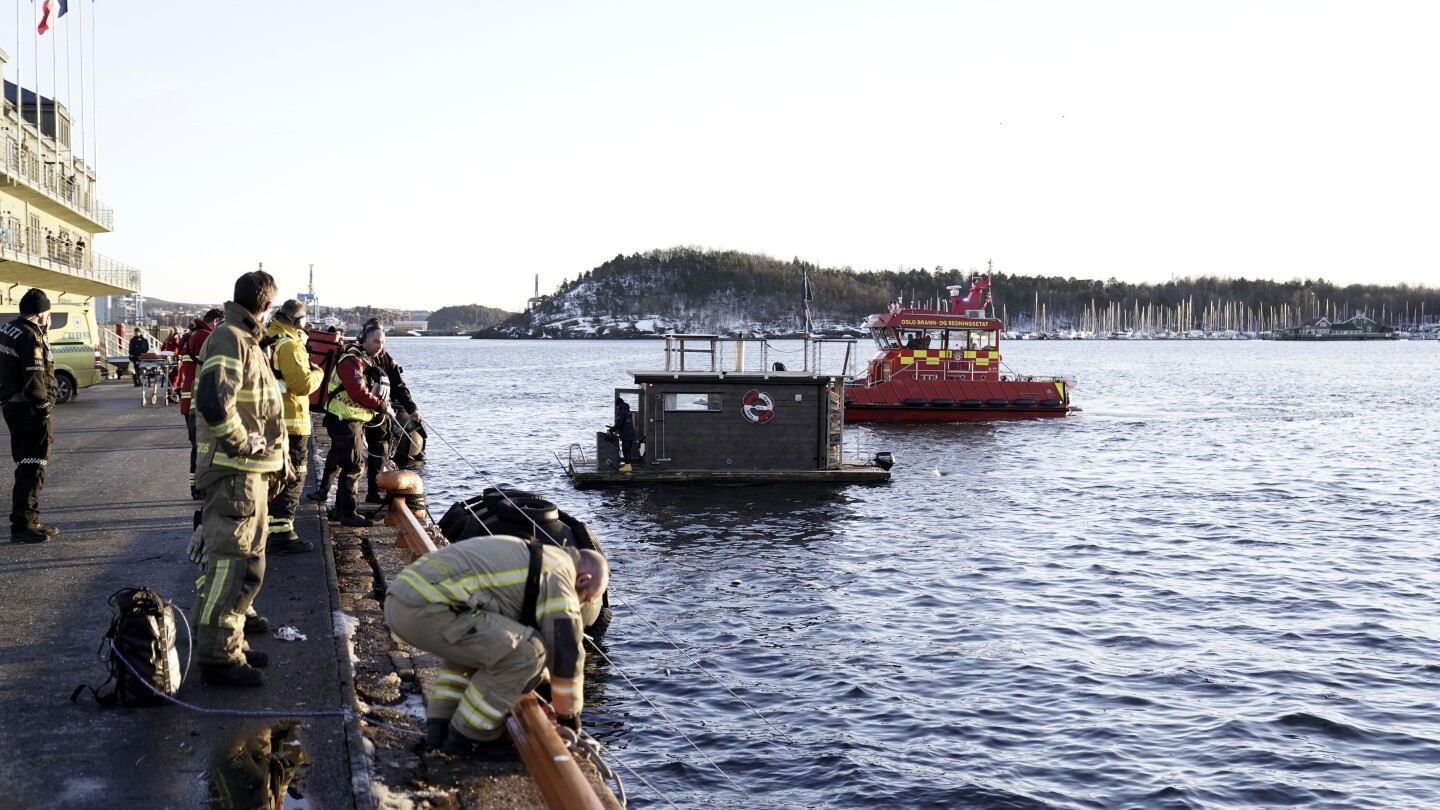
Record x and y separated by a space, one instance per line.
139 345
28 391
359 394
496 632
241 462
297 378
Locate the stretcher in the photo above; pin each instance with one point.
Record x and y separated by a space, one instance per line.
155 370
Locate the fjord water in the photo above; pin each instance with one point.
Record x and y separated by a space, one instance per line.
1215 587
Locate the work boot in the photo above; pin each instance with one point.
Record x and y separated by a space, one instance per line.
231 675
258 659
624 468
458 745
282 544
256 624
24 535
353 519
374 497
435 733
49 531
322 490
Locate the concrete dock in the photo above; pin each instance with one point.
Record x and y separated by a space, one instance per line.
116 489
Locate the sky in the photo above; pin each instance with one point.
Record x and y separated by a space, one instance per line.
421 155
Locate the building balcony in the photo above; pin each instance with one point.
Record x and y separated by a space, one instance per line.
40 260
45 182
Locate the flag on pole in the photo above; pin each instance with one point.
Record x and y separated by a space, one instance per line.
45 15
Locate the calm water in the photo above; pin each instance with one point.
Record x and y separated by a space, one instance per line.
1216 587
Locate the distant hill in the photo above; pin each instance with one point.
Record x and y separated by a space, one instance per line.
685 289
468 317
692 290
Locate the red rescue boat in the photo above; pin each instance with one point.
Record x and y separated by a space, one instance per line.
944 366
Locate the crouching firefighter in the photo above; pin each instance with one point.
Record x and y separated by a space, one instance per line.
498 611
359 394
297 378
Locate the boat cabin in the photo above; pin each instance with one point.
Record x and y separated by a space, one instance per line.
697 420
937 343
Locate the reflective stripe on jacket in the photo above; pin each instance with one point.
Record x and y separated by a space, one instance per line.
349 398
236 395
488 573
27 366
296 378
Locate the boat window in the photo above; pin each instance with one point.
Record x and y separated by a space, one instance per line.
981 340
934 339
885 338
692 402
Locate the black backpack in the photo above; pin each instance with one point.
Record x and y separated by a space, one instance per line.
142 634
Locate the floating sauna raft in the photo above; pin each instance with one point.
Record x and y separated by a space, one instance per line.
697 422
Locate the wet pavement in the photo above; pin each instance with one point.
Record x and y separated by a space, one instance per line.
116 489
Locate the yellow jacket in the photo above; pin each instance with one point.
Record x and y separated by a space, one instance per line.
298 379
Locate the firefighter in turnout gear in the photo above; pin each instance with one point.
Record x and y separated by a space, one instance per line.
188 352
297 378
498 611
241 462
359 394
28 391
379 441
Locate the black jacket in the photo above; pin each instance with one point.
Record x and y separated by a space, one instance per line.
138 346
27 365
399 393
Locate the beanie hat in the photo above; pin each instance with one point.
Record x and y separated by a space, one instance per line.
34 302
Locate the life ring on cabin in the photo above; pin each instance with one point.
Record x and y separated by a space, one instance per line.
997 403
913 402
1023 402
943 403
970 403
1050 403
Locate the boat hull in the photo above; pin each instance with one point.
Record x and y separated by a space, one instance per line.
909 400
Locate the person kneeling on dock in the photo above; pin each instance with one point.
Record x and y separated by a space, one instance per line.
497 611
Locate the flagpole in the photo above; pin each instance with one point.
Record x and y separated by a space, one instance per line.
70 94
19 91
80 28
55 98
39 133
95 96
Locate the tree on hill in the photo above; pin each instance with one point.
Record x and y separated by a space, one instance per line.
703 290
469 316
